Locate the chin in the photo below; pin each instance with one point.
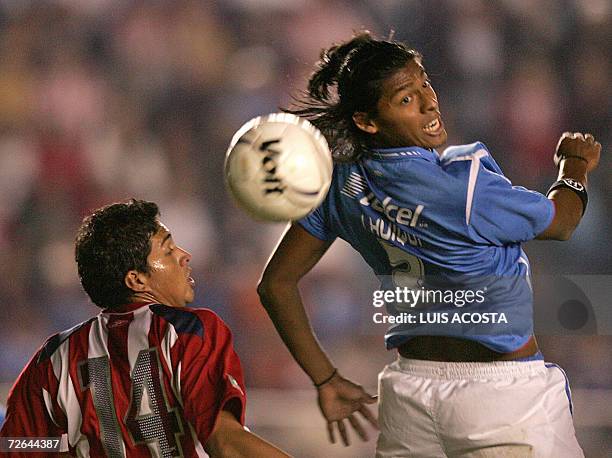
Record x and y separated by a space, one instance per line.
440 141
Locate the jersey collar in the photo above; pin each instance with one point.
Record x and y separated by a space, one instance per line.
128 307
406 152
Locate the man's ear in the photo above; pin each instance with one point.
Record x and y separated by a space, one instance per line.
136 281
365 122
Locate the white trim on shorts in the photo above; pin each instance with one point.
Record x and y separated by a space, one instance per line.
451 371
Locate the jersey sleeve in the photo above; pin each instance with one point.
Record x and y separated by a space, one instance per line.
31 408
211 376
316 225
502 213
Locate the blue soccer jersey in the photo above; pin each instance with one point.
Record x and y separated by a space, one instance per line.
447 224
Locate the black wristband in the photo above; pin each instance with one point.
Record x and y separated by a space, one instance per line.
574 186
327 380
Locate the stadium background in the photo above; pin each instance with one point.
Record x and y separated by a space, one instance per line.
102 100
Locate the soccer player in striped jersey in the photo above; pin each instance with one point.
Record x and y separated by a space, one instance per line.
430 223
147 376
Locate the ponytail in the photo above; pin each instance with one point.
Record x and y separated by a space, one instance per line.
333 62
348 78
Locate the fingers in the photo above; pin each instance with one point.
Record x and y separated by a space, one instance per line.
587 138
590 139
330 432
355 424
575 142
572 136
358 428
369 416
339 402
343 433
341 428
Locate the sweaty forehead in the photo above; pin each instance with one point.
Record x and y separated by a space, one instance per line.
161 236
162 227
404 77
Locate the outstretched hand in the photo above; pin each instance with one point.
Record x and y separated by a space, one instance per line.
339 400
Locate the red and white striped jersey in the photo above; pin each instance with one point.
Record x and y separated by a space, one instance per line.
147 381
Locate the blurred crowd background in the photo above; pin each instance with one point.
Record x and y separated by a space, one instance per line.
102 100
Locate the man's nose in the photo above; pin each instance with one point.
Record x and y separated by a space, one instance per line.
186 257
429 102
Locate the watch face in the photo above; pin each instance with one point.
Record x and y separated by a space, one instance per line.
573 184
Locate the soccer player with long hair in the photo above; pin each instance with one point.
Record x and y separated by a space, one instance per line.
430 220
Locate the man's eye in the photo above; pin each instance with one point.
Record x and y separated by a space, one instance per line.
406 100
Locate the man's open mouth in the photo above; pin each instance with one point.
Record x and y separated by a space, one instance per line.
433 127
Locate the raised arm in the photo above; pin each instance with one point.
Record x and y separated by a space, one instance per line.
576 155
296 254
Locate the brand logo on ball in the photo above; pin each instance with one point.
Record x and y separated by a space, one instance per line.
272 184
278 167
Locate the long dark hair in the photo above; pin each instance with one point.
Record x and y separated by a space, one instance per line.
348 78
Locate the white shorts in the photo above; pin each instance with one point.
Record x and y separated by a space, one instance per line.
498 409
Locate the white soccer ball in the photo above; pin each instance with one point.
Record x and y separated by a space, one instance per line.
278 167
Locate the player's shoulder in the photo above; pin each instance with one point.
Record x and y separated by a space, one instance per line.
189 320
52 344
460 160
460 153
342 170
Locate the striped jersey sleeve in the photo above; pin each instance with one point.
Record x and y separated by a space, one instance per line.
32 409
